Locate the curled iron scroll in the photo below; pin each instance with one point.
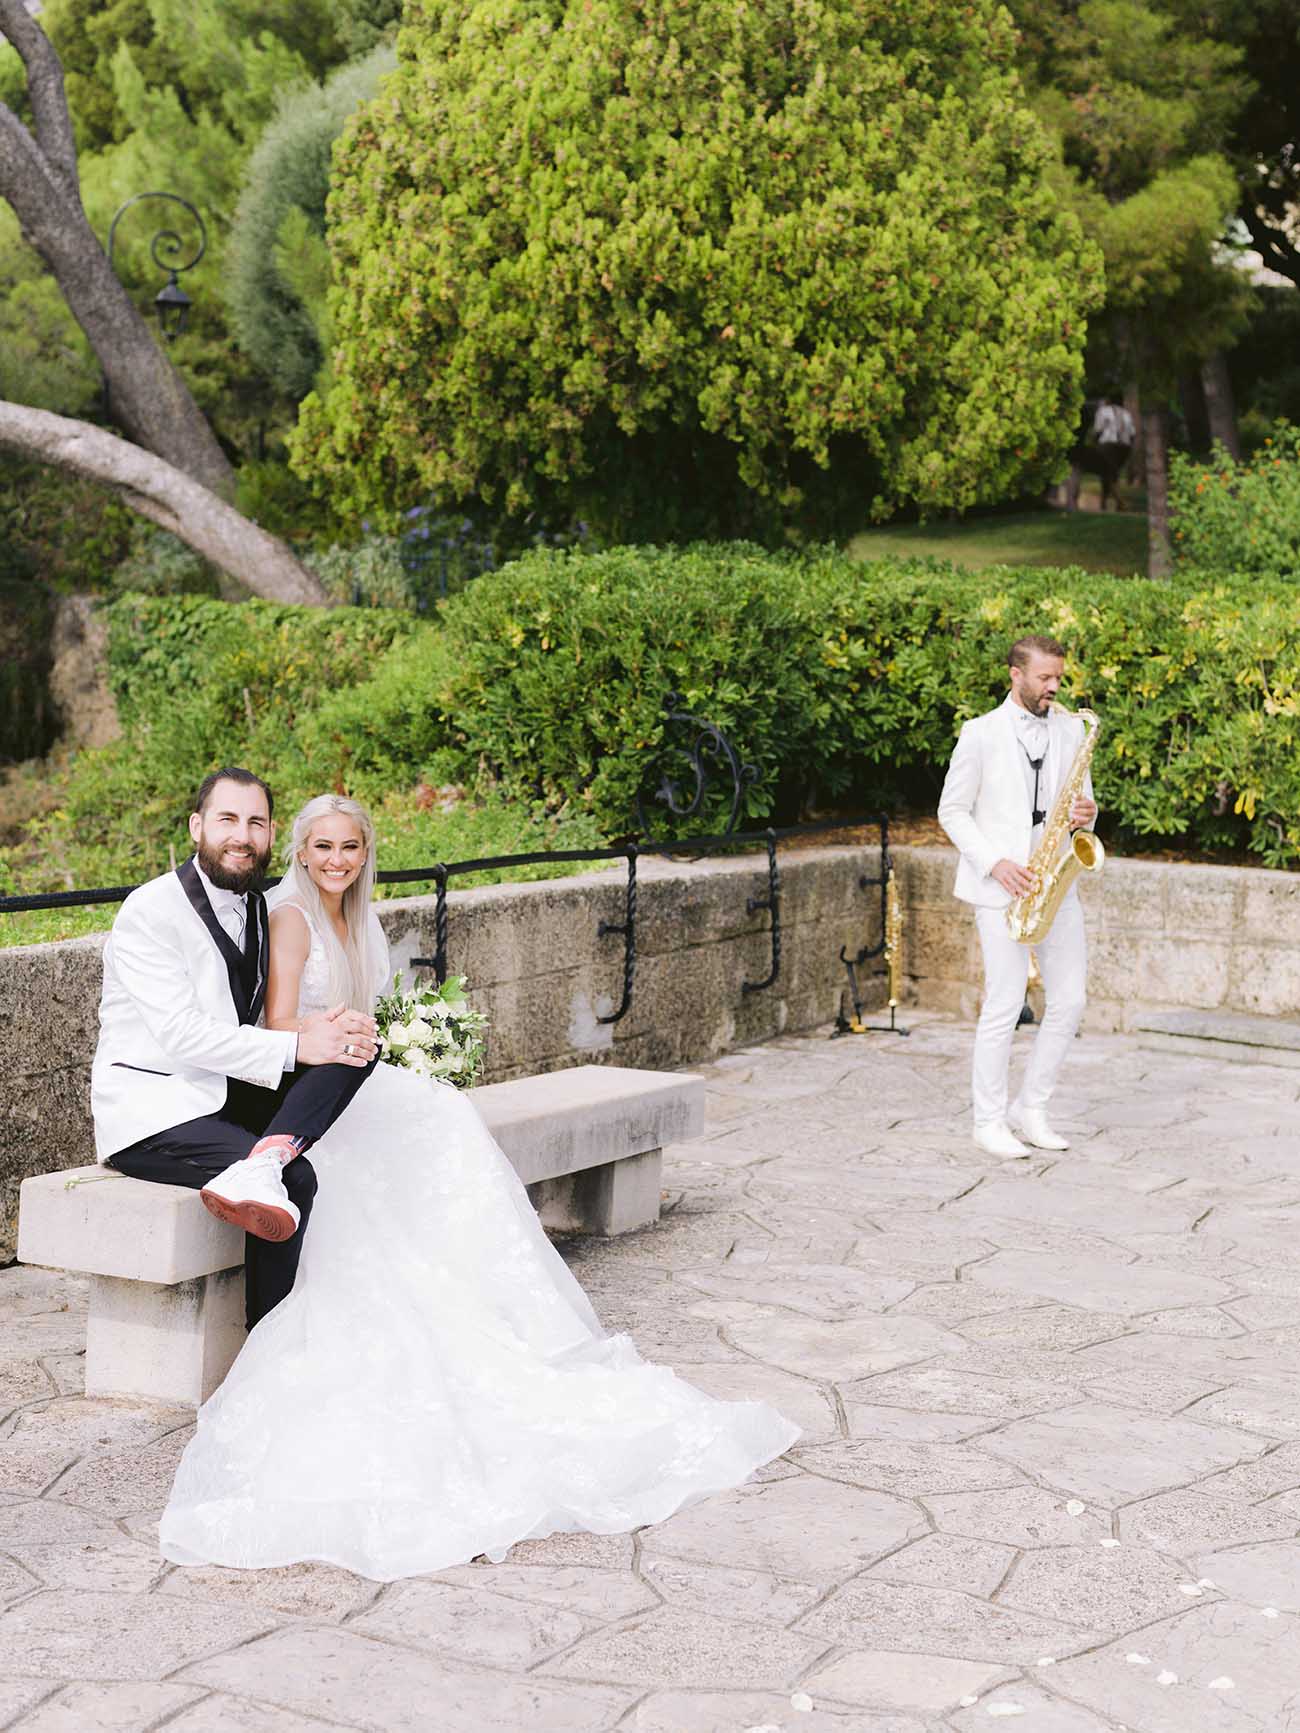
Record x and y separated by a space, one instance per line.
165 247
710 757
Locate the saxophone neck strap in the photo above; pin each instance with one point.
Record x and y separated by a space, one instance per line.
1037 815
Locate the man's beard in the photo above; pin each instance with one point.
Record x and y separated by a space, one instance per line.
239 879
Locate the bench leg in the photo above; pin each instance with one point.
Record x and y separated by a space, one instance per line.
172 1343
613 1199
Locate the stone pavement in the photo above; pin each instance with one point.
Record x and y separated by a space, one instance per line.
1050 1468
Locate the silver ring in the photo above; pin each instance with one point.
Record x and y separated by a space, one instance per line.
348 1050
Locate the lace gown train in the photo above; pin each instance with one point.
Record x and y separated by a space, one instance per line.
437 1385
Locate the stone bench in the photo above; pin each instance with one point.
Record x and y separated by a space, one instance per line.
166 1279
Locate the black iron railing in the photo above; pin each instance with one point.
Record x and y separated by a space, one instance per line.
440 874
708 757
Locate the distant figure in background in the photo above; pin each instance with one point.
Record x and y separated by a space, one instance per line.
1113 431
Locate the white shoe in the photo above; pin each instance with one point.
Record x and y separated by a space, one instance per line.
1031 1123
250 1194
996 1139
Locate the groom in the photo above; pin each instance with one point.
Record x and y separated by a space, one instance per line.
186 1089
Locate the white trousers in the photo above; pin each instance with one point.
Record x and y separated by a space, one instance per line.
1063 964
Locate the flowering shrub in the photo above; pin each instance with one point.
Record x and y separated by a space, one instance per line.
432 1031
1239 517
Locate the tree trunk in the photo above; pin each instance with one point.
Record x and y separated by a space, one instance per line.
1137 463
38 177
1155 440
1220 404
166 496
1195 408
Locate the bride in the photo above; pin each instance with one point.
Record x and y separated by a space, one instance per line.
437 1385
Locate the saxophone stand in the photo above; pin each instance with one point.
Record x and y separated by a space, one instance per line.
890 947
854 1025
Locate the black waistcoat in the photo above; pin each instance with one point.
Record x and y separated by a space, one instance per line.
246 968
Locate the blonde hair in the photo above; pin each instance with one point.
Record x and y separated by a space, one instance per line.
354 967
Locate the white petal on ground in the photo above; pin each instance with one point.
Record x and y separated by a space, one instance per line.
1166 1678
802 1702
1222 1683
1136 1660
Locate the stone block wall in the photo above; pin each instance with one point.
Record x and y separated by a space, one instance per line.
1161 935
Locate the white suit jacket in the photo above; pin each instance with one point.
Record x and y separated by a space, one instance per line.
169 1033
985 804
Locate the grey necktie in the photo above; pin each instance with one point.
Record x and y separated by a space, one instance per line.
232 920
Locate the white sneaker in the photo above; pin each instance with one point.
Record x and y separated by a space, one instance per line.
996 1139
1031 1123
250 1194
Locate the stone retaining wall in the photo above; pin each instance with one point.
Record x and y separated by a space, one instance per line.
1161 935
536 966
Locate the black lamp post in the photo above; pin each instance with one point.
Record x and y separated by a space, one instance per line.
171 303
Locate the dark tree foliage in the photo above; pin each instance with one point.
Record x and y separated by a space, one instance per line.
676 265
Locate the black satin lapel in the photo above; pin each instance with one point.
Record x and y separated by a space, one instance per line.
188 874
259 923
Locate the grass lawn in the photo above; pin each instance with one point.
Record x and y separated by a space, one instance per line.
1113 542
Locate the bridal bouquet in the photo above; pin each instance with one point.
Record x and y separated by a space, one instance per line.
432 1031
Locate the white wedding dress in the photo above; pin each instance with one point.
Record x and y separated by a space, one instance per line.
437 1385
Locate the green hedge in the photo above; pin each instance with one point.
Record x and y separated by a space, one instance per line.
1241 517
200 683
539 691
844 683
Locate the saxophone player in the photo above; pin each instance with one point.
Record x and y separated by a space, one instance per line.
1005 773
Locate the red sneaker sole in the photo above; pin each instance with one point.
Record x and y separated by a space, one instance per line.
263 1220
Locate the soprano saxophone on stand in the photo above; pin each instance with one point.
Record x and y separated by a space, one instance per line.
1059 858
893 943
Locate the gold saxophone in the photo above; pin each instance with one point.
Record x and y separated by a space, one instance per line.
1059 858
893 941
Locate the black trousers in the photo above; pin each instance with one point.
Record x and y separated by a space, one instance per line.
304 1106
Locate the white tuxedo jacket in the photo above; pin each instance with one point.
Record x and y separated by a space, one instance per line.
985 805
169 1032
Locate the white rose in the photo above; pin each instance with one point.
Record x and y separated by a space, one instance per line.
398 1034
416 1060
418 1031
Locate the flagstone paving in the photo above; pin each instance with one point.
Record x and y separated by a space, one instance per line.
1050 1467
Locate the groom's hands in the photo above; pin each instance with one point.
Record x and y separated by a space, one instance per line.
325 1038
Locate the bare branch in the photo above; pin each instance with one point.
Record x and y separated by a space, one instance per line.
26 179
167 496
1273 244
38 178
45 88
